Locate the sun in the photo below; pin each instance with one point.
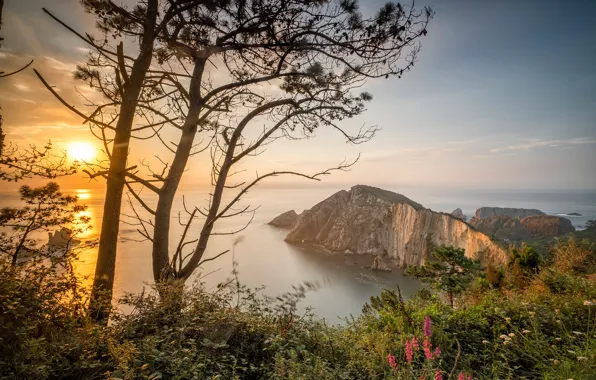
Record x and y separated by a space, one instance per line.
81 151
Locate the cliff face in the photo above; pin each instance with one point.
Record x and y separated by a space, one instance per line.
375 221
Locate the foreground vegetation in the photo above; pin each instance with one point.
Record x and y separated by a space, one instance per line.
520 320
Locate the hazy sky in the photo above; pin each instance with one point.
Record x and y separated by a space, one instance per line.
503 96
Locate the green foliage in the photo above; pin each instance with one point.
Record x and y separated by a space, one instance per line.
525 257
45 208
544 330
495 276
448 270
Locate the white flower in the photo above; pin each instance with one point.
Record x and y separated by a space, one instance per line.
558 339
485 342
582 358
511 335
588 303
506 342
503 336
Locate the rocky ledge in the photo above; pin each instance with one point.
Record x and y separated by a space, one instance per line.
368 220
286 220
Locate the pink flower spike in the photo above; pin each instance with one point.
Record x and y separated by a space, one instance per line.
427 326
461 376
428 349
392 362
409 352
437 352
415 343
470 377
438 375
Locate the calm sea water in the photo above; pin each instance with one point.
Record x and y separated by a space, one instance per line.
264 259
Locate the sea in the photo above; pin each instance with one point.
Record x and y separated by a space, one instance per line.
263 259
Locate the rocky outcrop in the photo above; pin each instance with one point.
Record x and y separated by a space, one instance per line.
516 213
458 213
286 220
502 227
367 220
547 225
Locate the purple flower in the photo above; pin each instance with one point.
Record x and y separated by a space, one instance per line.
461 376
437 352
409 352
438 375
427 326
428 349
392 362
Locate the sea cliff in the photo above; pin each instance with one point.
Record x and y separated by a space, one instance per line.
368 220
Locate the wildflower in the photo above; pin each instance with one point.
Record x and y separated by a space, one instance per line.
511 335
470 377
506 342
503 336
532 313
427 326
582 358
409 352
485 342
415 343
588 303
578 332
558 339
437 352
427 349
526 331
461 376
438 375
556 362
508 320
391 361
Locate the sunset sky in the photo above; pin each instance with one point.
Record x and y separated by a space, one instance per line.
503 96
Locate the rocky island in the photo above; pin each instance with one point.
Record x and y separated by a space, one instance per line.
369 220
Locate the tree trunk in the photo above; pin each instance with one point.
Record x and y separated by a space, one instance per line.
103 281
162 270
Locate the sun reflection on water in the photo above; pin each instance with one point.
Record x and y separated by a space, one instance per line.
83 194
